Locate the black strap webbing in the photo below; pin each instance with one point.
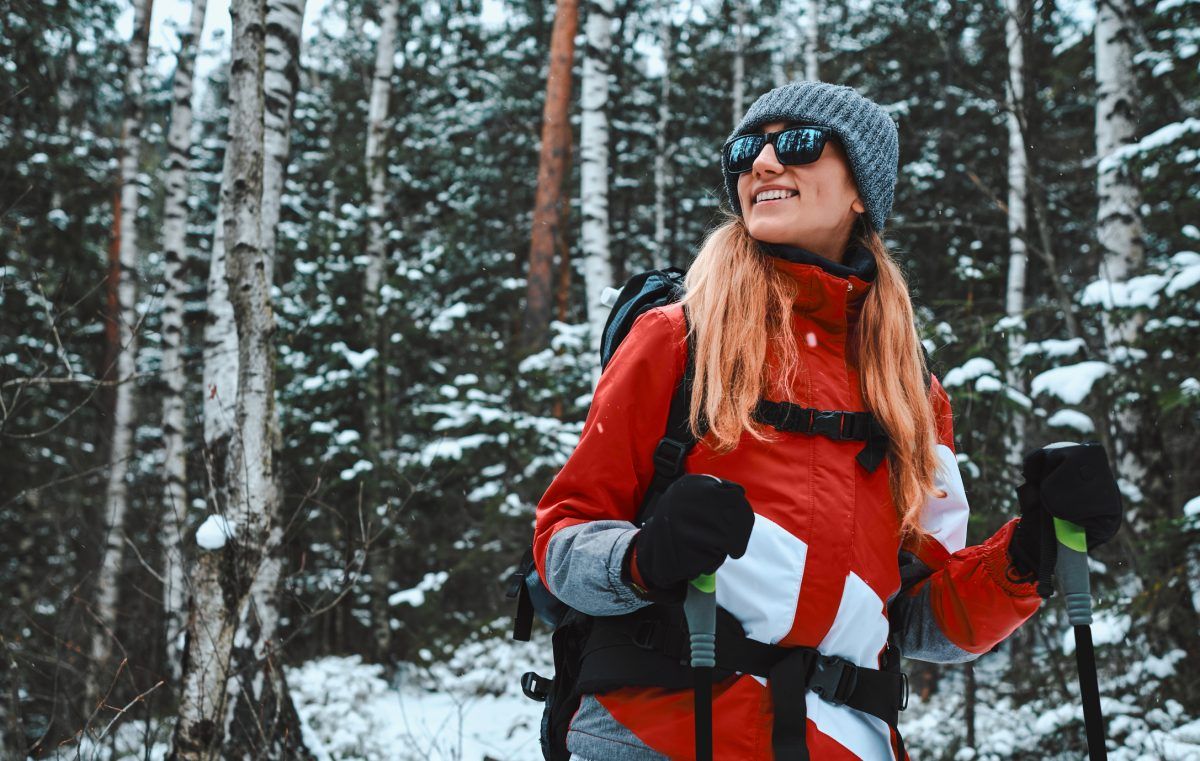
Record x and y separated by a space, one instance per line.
834 424
791 671
673 448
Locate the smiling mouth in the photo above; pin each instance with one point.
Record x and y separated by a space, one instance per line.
776 197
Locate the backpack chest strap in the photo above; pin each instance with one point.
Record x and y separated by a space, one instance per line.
833 424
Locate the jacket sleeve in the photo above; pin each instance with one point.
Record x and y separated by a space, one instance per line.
584 522
955 602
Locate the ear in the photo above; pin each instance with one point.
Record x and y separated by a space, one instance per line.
858 205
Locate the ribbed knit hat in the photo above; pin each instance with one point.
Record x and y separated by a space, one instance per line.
865 130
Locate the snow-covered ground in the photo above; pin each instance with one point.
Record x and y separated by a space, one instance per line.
471 709
464 712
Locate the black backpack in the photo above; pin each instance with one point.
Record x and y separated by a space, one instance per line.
641 293
572 628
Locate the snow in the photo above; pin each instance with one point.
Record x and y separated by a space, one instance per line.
213 532
359 467
357 359
1053 347
1071 383
969 370
415 596
1108 628
1190 387
1140 291
1160 137
987 383
1191 508
1072 419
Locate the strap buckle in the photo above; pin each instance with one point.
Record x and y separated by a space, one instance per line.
904 701
669 456
828 423
833 678
535 687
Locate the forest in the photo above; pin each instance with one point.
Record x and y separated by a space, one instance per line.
299 316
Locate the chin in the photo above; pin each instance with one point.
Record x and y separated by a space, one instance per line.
771 233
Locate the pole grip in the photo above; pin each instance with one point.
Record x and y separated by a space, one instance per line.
1071 568
700 610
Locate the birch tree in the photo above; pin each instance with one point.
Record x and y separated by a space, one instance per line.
175 500
1118 220
116 496
739 60
374 327
1018 170
811 37
662 168
261 720
552 165
594 168
235 542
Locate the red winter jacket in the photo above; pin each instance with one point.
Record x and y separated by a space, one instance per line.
821 568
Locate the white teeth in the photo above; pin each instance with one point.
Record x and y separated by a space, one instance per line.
772 195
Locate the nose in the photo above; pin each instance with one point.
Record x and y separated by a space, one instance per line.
767 161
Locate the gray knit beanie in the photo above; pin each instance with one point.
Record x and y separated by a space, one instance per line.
865 130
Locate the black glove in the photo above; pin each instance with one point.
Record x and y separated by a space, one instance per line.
1073 483
698 522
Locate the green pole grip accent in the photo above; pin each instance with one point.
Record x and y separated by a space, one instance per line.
1070 535
705 582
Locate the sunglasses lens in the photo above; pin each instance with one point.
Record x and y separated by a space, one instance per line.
740 155
799 146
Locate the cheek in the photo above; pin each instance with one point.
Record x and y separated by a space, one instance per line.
743 191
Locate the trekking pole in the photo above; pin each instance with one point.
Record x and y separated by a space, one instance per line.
700 609
1071 567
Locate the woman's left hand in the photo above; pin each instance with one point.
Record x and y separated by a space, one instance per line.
1071 482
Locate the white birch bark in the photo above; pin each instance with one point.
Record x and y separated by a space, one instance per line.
116 496
739 60
1118 218
220 372
1018 169
175 499
224 573
260 720
811 37
593 166
373 322
662 165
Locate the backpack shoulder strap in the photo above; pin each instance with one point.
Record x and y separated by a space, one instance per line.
674 446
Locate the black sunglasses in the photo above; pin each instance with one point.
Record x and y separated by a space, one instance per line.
794 145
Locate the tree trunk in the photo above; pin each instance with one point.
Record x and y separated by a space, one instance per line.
373 334
226 569
1118 220
175 498
811 38
552 166
1018 171
261 721
594 168
116 497
970 698
662 167
739 61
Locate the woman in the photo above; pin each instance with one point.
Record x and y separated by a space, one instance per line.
794 298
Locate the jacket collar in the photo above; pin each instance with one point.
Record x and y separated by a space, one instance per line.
831 292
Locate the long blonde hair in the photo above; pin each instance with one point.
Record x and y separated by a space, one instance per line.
739 305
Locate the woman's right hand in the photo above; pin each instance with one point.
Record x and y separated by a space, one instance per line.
698 522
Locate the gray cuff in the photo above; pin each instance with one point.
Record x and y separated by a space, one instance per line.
583 566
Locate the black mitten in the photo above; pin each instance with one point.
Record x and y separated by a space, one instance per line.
1074 483
698 522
